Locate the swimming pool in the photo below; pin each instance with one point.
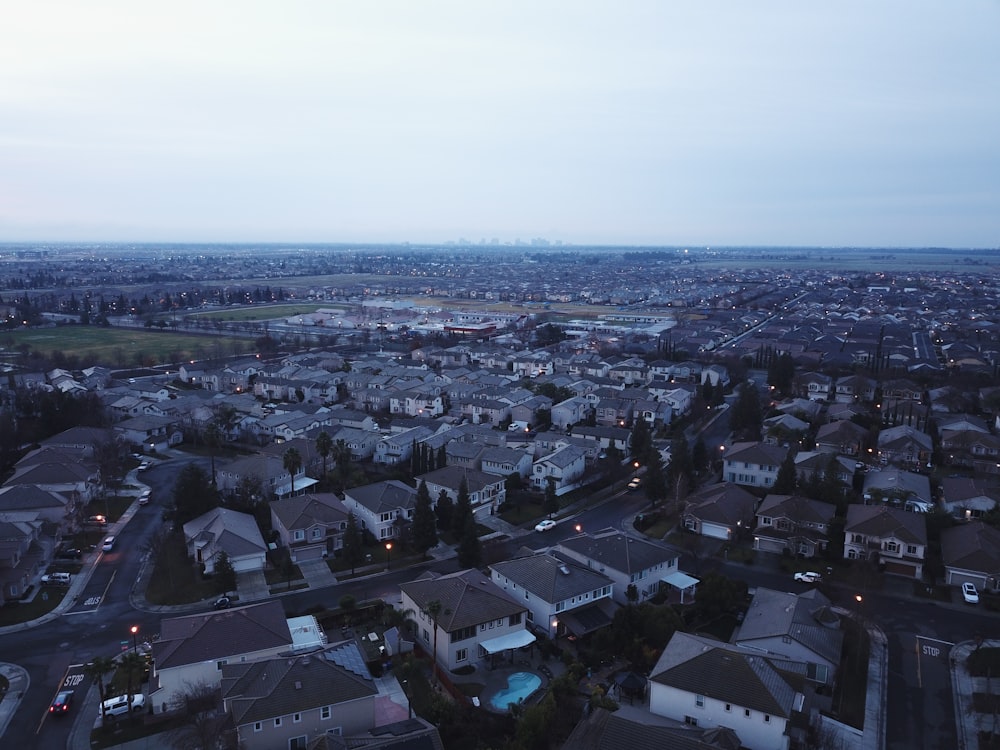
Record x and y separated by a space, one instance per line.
519 686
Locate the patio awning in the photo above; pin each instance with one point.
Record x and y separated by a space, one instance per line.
680 580
504 642
587 619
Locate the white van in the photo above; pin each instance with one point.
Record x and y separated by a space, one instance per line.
119 706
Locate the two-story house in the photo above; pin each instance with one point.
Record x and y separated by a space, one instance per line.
562 467
20 555
626 560
753 464
720 511
225 530
192 649
481 487
904 445
463 618
505 461
290 701
971 554
793 525
310 526
893 538
703 682
379 506
562 595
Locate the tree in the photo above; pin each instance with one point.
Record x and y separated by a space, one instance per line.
781 374
699 455
132 663
444 509
193 494
324 447
434 609
347 604
95 670
292 461
470 549
641 441
225 573
745 415
656 483
352 550
424 521
551 503
463 510
786 479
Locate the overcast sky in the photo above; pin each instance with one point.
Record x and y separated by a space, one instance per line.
626 122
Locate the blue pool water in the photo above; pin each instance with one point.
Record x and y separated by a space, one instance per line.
519 686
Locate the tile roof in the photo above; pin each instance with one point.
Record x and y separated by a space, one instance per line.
617 551
467 598
550 578
882 522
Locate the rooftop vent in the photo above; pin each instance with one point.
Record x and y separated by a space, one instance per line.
298 685
564 570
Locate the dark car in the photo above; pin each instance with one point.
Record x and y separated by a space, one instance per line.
62 702
69 553
223 602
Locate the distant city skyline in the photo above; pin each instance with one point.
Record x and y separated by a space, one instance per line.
646 123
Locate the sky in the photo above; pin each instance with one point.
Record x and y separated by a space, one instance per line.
633 122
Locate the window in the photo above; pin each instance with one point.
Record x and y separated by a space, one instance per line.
277 722
325 712
298 535
462 654
765 520
257 726
690 720
296 718
220 664
891 547
767 718
729 707
298 743
317 533
911 549
746 712
699 701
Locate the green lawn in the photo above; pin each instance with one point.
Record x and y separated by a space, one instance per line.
121 347
44 602
174 579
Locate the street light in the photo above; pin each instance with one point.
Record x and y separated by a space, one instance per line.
578 528
388 550
134 629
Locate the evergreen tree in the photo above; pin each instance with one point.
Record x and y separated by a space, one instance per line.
745 416
225 573
551 503
786 480
463 510
193 494
444 509
641 441
470 549
414 459
442 457
781 373
699 455
655 482
424 521
353 550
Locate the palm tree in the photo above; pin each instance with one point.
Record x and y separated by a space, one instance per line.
96 669
292 461
131 662
397 618
324 446
434 610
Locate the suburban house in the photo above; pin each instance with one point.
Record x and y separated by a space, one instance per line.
605 437
905 446
310 526
719 511
968 497
68 477
224 530
398 447
854 388
893 538
753 464
462 618
800 627
150 432
842 436
971 554
810 464
482 488
562 596
601 729
703 682
570 412
50 506
506 461
267 471
626 561
793 525
192 649
563 467
815 386
379 506
286 702
21 557
897 487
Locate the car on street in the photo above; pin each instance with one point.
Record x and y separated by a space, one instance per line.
119 706
109 544
808 577
69 553
545 525
56 579
144 497
143 466
969 593
61 703
223 602
634 484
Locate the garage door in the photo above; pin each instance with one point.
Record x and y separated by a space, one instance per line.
900 569
714 531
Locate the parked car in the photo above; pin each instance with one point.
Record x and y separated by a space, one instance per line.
56 579
808 577
96 521
143 466
119 706
109 544
144 497
62 702
969 593
69 553
634 484
223 602
545 525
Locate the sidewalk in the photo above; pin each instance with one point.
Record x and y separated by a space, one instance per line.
963 686
18 683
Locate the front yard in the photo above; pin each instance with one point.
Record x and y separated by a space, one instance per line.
175 579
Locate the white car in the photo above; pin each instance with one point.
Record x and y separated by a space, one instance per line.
119 706
144 497
109 544
808 577
545 525
969 593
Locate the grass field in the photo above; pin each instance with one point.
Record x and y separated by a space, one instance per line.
260 312
121 347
